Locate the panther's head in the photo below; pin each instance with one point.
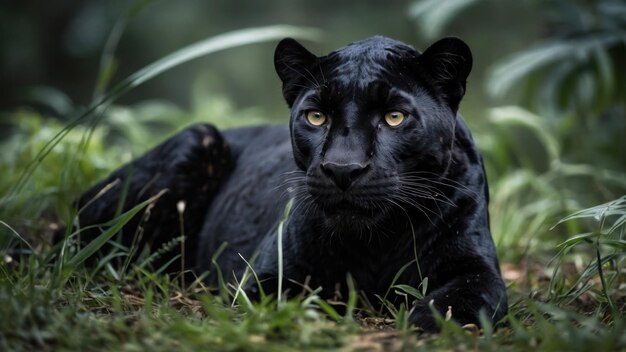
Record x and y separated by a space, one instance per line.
369 120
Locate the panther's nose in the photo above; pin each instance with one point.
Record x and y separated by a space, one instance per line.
343 174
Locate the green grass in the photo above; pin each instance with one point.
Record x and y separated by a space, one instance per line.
78 308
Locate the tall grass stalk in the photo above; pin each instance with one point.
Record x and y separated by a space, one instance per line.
180 206
279 246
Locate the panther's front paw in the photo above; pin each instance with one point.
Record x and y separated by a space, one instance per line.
423 318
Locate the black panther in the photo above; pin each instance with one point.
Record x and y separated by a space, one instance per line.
382 173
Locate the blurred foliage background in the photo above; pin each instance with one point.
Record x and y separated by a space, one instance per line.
546 99
58 44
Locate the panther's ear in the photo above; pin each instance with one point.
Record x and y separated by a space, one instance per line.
447 63
291 61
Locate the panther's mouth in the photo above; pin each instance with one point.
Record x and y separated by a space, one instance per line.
347 213
347 208
348 218
362 205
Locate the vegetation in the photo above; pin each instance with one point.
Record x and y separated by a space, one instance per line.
557 172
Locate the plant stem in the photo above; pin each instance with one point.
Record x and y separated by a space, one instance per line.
602 279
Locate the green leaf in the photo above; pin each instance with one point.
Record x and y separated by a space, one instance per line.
593 268
515 115
329 310
433 15
617 224
508 73
585 237
617 244
410 290
602 211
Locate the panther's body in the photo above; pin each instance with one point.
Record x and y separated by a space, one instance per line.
383 173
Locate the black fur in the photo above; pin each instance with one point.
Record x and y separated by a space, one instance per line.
369 198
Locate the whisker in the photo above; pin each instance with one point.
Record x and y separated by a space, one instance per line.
451 183
417 192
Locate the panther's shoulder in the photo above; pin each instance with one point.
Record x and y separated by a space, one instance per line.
255 138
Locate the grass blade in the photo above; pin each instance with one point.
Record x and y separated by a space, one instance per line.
118 223
283 220
16 234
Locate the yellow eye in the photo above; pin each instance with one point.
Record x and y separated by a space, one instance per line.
394 118
316 118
